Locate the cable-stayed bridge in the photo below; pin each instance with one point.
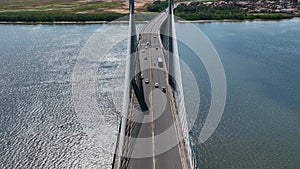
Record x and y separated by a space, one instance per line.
153 131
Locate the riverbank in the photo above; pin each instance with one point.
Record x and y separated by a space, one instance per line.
37 17
233 16
40 16
122 21
234 20
70 23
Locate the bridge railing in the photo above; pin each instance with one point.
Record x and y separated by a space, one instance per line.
169 43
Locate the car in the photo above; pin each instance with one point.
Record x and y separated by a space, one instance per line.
143 50
147 43
160 61
142 76
156 85
156 48
154 36
146 47
147 81
164 89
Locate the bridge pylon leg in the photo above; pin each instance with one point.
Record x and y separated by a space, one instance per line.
119 161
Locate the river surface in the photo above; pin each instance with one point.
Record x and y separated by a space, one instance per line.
61 94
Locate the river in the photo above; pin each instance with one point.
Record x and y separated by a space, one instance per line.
60 103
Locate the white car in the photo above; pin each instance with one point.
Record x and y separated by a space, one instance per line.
147 81
156 85
142 76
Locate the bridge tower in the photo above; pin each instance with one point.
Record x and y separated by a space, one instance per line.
129 80
168 34
132 43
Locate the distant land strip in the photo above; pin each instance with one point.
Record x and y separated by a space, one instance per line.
95 11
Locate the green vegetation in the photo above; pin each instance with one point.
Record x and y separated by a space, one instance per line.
144 16
37 16
196 12
269 16
205 16
158 6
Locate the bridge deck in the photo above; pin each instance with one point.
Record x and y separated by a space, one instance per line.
160 115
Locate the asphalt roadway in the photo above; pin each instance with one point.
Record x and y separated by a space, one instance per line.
160 111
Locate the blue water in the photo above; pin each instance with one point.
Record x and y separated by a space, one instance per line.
261 123
40 128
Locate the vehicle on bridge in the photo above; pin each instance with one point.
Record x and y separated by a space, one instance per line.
160 61
147 81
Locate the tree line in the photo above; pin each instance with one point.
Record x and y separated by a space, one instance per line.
36 16
157 6
194 11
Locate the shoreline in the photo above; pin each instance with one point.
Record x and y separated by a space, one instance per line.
138 22
233 20
68 22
